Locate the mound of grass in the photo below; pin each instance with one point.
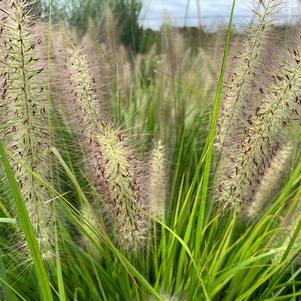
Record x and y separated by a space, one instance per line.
169 175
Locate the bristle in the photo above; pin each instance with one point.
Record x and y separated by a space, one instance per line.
24 114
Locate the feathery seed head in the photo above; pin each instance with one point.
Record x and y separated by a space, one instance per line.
271 180
24 112
110 31
119 182
157 181
249 61
83 89
109 160
263 138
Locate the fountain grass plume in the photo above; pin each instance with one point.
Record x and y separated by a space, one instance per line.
252 158
109 35
250 59
24 113
271 181
83 89
157 181
109 160
119 180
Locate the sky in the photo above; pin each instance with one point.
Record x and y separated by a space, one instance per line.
212 12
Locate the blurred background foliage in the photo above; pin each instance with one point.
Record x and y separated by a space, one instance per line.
79 14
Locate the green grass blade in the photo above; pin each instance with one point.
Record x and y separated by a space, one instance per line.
211 135
12 289
6 220
60 280
129 267
27 227
184 245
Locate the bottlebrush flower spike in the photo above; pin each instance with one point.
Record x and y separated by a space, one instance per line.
83 90
249 60
118 180
252 158
24 113
157 181
110 162
271 180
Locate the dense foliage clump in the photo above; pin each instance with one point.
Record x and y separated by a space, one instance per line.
153 176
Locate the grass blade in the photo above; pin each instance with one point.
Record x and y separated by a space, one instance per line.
5 220
33 246
211 135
